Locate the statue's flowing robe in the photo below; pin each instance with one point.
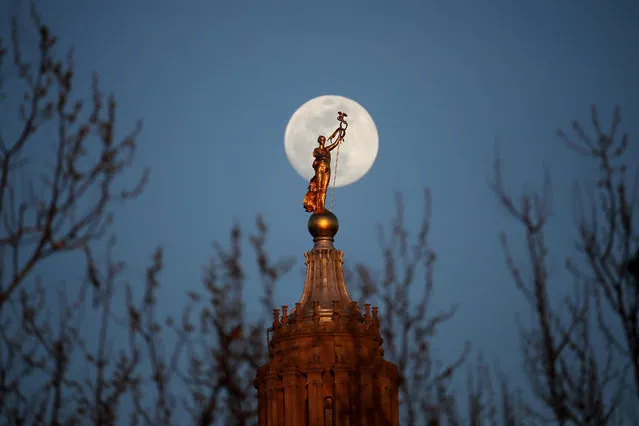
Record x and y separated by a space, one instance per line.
317 187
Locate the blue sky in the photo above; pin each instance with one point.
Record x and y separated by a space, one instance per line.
215 83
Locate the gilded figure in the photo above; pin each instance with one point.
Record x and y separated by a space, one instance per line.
315 198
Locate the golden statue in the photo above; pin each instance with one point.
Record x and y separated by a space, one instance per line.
315 198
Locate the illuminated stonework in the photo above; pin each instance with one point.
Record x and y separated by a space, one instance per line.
326 363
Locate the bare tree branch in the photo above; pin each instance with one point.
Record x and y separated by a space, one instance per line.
70 206
579 381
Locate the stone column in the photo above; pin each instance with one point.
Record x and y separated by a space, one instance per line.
367 403
292 405
342 394
261 403
315 402
384 412
279 398
303 399
274 412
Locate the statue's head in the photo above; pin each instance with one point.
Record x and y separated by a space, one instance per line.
321 140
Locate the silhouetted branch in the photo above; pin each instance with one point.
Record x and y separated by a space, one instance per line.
608 238
406 325
69 206
569 372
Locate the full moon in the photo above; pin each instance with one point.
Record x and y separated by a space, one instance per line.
319 117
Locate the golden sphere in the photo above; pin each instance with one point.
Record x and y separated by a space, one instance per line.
323 225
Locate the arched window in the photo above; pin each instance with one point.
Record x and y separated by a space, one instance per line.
329 415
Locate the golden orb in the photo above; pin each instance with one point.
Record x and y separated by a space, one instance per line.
323 225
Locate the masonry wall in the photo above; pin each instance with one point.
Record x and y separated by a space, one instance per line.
327 368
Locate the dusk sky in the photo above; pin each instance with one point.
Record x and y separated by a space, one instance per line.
215 83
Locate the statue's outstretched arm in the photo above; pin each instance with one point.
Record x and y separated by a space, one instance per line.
338 140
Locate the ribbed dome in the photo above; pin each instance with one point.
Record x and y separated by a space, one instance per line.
324 281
